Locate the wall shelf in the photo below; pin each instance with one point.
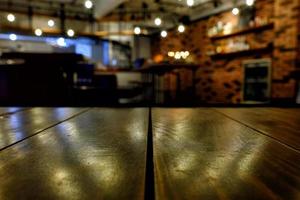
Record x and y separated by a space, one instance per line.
164 68
242 53
243 31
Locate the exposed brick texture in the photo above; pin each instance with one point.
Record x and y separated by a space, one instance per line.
221 80
286 18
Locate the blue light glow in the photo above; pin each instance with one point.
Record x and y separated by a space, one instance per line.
105 54
83 45
84 49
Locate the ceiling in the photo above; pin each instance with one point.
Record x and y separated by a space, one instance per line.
172 12
112 10
71 8
119 15
164 7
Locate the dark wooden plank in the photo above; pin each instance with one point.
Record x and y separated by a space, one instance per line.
97 155
17 125
282 124
202 154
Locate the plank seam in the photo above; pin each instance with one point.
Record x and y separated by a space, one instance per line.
149 179
11 113
44 129
259 131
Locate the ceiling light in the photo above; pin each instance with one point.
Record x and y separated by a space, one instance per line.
249 2
235 11
51 23
70 33
11 17
181 28
137 30
157 21
38 32
164 34
190 2
88 4
13 37
61 42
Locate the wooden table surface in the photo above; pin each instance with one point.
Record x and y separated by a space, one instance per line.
102 153
204 154
99 154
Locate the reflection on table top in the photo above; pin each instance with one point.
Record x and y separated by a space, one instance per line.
211 154
79 154
100 153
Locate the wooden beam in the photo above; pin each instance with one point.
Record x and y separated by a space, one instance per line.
56 32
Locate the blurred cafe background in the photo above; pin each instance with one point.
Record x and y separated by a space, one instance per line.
149 52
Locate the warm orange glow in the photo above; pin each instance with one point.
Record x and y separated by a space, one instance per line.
158 58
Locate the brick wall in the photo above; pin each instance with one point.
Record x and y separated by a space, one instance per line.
221 80
298 60
285 47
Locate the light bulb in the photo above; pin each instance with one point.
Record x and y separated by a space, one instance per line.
171 54
235 11
51 23
13 37
177 55
181 28
157 21
137 30
70 33
38 32
190 2
164 34
249 2
88 4
61 42
11 17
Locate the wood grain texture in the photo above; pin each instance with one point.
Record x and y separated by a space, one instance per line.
16 124
201 154
282 124
10 110
97 155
